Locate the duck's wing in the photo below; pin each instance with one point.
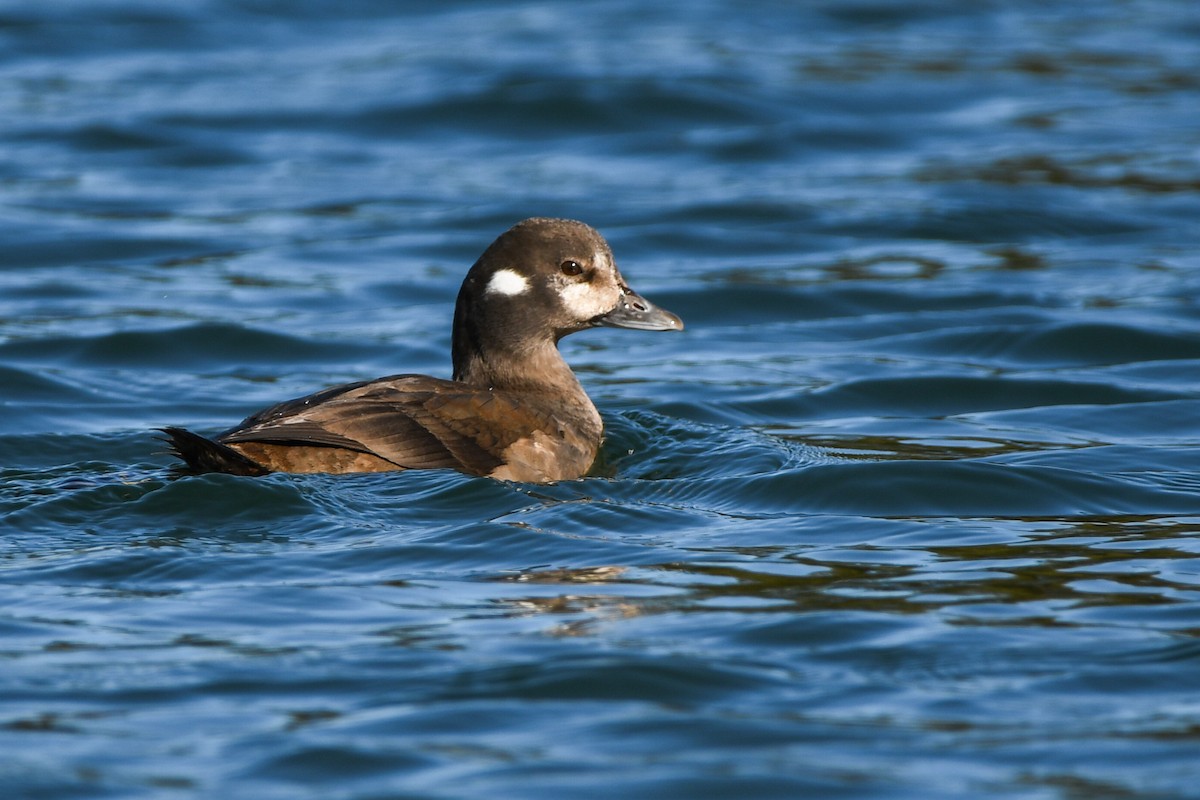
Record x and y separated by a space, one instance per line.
411 421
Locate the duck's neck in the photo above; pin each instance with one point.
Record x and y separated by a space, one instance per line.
510 352
537 368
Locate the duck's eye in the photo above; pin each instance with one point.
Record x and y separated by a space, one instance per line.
571 268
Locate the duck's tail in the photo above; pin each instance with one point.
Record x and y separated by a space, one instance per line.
204 455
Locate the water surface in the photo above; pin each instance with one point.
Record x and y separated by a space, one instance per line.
909 511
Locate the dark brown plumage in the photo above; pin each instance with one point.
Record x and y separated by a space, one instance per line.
514 410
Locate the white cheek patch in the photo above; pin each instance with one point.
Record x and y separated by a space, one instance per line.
585 301
588 300
507 282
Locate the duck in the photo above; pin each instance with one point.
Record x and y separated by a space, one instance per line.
513 409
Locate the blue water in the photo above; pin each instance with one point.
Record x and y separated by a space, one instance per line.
910 510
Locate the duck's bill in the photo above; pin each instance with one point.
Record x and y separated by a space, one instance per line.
638 313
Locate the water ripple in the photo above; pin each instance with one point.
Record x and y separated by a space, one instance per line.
909 510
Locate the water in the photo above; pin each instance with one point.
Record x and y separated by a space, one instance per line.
910 510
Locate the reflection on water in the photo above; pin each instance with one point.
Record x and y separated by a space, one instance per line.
1111 171
1056 573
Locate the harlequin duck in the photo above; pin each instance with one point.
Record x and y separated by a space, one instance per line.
514 410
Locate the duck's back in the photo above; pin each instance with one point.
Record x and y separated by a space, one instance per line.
420 422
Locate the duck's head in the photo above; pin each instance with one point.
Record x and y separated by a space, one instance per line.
541 280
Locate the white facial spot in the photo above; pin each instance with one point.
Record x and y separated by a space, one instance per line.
507 282
584 301
592 298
